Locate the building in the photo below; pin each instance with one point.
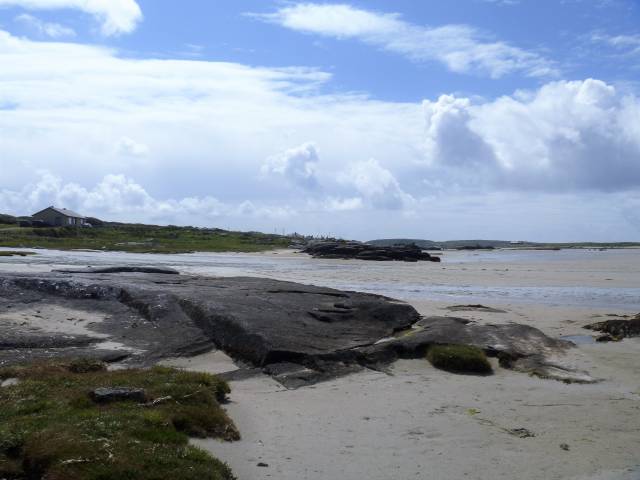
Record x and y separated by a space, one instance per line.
59 217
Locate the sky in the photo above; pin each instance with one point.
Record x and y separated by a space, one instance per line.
493 119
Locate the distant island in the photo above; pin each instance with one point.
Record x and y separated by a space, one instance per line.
492 244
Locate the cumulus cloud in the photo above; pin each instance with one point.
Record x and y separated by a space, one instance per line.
298 165
376 184
115 16
119 197
48 29
567 135
83 112
460 48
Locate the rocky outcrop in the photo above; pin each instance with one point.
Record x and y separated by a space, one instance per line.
120 269
618 328
363 251
299 334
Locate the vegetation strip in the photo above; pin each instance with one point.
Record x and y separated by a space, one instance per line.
459 359
50 427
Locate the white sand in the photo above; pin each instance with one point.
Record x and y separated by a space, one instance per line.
424 423
52 319
211 362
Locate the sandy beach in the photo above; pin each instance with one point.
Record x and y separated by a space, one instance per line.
419 422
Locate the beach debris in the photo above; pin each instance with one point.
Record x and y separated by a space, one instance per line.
520 432
262 464
565 447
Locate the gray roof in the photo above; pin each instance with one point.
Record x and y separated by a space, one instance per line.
62 211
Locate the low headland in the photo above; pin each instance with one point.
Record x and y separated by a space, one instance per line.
20 232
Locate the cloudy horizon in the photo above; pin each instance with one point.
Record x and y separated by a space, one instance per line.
356 119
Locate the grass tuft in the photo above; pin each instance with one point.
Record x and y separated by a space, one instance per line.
50 428
459 359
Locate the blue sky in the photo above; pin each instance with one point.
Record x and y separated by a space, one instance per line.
476 118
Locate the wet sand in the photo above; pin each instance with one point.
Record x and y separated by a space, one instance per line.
420 422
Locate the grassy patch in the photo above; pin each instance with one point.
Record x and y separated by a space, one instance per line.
459 359
5 253
50 428
141 239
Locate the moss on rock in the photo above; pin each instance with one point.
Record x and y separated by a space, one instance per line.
459 359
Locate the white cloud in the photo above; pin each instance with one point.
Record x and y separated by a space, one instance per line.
625 44
298 165
461 48
48 29
116 16
80 112
119 197
565 136
376 184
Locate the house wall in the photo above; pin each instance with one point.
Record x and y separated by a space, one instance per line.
51 217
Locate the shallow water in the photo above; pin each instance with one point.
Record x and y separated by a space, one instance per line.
580 278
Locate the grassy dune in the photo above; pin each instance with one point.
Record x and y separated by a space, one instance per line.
51 428
140 238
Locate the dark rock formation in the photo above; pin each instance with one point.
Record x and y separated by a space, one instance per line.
474 308
299 334
364 251
618 328
121 269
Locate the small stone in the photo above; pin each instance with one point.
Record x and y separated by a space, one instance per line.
117 394
262 464
564 447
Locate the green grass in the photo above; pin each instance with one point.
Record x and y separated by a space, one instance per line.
50 428
459 359
141 239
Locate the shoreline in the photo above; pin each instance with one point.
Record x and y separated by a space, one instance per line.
419 422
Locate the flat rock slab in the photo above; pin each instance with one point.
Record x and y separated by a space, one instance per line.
257 321
299 334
